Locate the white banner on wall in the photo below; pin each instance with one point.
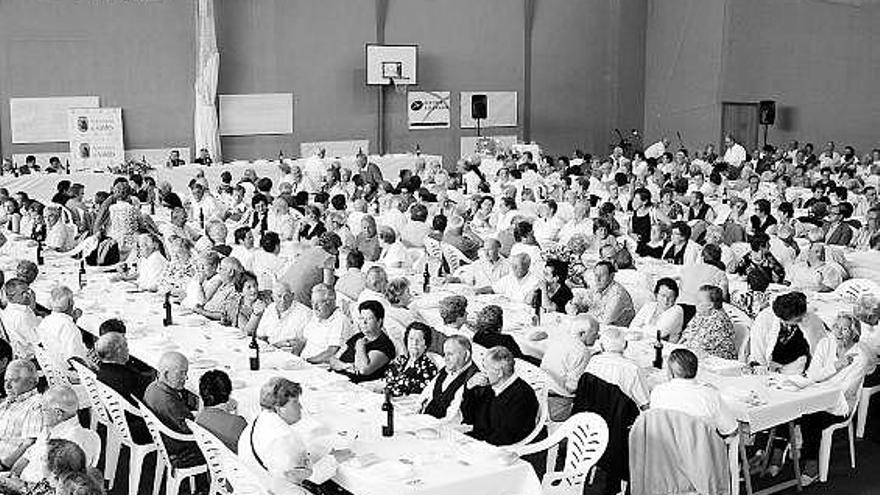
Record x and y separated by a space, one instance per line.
428 109
500 109
95 138
44 120
246 115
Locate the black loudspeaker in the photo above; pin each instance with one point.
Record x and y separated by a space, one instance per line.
479 107
767 112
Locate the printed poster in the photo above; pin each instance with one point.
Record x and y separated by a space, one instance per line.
95 138
428 109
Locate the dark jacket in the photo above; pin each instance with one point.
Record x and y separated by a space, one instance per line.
502 420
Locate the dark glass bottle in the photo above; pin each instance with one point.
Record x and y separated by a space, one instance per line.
40 260
82 274
426 280
658 352
388 408
254 353
167 306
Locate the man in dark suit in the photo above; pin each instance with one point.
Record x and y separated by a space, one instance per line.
501 407
443 396
838 232
114 369
170 402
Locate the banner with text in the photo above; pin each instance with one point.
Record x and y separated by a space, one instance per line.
95 138
428 109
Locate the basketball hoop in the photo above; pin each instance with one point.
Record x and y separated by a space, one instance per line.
399 84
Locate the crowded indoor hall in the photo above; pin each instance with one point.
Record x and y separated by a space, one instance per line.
509 248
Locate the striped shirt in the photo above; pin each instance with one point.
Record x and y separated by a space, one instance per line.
21 418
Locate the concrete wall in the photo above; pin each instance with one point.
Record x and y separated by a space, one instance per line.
587 74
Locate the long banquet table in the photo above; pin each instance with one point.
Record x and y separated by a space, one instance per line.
42 186
423 457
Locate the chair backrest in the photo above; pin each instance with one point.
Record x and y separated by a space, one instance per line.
587 438
53 374
851 290
90 383
216 455
538 380
432 248
453 256
742 325
156 427
115 405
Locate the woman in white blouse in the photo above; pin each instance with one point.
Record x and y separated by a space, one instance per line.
661 315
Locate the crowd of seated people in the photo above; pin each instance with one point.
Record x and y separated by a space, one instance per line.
318 264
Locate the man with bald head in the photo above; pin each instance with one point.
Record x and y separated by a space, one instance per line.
58 333
519 285
60 405
169 400
279 320
114 369
488 269
21 413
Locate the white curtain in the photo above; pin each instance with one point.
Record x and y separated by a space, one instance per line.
207 134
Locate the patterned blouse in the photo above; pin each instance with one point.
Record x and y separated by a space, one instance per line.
175 276
750 301
711 333
401 380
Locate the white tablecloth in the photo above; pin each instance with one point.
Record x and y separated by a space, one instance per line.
437 460
42 186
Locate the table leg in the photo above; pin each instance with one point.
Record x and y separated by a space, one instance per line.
795 456
744 463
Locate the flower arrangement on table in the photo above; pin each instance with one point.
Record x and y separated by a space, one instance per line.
572 254
131 167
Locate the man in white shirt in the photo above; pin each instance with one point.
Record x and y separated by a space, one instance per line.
442 396
685 394
60 407
393 255
611 366
564 361
204 205
282 320
519 285
326 329
58 333
489 268
18 319
734 153
151 264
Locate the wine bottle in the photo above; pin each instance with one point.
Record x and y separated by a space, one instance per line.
418 150
254 350
388 408
167 305
67 166
40 252
82 274
536 305
202 218
426 280
658 352
153 206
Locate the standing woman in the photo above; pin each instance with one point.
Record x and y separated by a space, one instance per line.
642 215
120 214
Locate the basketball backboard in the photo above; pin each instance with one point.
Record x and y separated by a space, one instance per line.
391 64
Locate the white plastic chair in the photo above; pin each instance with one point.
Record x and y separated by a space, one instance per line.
586 436
828 433
174 476
432 248
98 414
864 403
54 376
851 290
117 407
227 475
453 256
537 379
742 325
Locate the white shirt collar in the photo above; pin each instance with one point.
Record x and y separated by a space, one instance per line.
499 388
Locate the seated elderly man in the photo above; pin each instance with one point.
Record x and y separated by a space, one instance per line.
565 359
501 407
19 321
611 366
393 255
816 272
58 333
685 394
150 264
115 369
281 320
173 405
607 301
214 239
487 270
60 407
326 328
442 397
457 237
21 413
519 285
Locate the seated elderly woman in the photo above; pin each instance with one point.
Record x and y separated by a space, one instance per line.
272 443
215 307
487 330
59 235
149 266
837 360
656 243
817 273
60 459
366 354
179 269
409 373
761 257
783 336
239 309
662 315
399 296
218 414
206 281
710 331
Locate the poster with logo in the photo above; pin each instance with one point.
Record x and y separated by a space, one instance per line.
428 109
95 136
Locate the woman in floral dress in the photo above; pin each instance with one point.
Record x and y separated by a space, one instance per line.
710 331
410 374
